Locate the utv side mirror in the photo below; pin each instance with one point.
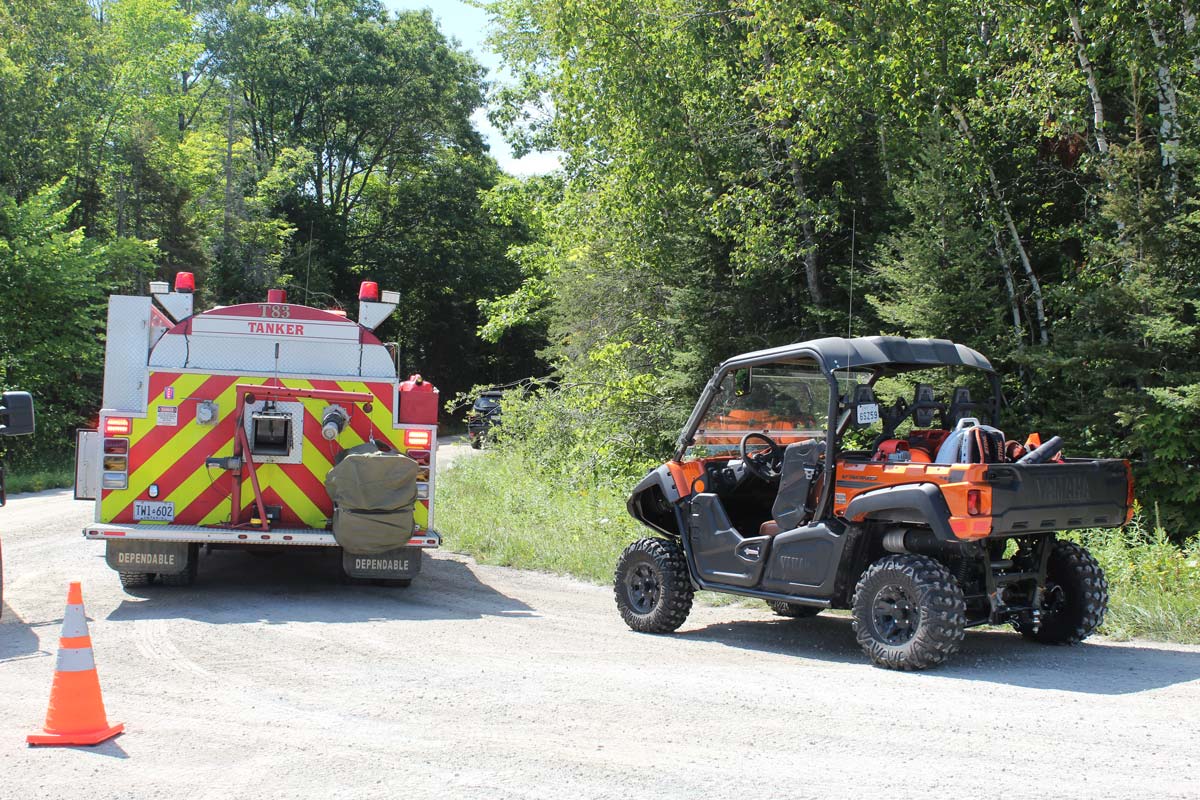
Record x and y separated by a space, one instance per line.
16 414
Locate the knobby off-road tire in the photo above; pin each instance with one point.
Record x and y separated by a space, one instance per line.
135 580
793 610
652 587
909 612
1075 600
188 576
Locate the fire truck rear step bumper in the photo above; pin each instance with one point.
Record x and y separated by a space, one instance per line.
195 533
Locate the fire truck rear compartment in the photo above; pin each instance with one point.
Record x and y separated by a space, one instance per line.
219 429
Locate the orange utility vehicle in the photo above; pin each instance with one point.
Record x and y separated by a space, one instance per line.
791 483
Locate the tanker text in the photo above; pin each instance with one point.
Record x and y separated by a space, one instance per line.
284 328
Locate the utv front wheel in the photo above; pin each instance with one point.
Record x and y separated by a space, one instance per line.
793 610
652 588
1075 599
909 612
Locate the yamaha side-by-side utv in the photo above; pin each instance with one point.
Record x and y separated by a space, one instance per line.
793 484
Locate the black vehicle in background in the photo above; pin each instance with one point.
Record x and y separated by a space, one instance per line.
16 419
483 416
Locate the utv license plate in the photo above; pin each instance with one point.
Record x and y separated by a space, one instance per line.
153 511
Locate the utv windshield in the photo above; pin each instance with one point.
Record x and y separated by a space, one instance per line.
788 402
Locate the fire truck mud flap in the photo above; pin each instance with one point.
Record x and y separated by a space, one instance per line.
162 558
399 564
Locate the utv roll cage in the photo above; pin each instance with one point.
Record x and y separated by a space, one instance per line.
883 355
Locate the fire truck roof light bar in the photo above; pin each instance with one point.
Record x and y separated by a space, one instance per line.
178 304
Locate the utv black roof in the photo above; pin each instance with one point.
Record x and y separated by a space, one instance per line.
834 353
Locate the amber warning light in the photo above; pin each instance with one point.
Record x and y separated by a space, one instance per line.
420 439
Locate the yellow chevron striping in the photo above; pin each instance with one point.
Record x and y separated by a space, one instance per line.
271 476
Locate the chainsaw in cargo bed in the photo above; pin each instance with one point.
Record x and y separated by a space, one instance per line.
793 484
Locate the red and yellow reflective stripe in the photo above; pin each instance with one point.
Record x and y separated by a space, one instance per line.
173 457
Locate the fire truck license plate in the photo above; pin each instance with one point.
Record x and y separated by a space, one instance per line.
153 511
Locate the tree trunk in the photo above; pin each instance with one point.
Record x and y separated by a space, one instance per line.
1010 286
1035 286
227 219
1089 72
812 272
1168 106
1189 27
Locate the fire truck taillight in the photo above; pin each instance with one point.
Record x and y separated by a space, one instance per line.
419 456
116 462
118 426
422 491
421 439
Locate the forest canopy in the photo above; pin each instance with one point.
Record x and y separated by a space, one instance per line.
256 144
1018 177
735 174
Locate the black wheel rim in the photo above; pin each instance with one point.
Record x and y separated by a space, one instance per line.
1053 598
894 615
643 588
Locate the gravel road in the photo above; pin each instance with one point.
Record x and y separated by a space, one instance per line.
268 678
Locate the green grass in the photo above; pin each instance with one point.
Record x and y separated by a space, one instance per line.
1154 584
56 474
500 510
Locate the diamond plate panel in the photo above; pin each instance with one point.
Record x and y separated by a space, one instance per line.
125 353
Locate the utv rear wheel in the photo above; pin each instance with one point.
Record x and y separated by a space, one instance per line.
652 588
793 610
1075 599
909 612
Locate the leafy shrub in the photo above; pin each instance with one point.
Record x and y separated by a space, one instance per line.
606 424
1154 584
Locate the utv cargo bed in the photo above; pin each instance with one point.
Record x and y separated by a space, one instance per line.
1080 493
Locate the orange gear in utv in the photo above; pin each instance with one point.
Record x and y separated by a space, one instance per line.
791 483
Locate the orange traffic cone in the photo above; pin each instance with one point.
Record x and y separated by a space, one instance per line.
76 713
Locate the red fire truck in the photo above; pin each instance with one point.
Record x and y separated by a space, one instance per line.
226 427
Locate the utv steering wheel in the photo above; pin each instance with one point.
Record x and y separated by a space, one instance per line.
766 465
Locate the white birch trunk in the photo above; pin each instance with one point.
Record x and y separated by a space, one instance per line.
1089 72
1168 105
1035 286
